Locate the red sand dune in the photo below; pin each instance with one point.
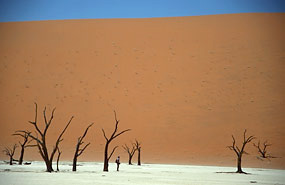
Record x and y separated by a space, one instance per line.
183 85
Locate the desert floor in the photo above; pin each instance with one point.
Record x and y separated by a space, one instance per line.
91 173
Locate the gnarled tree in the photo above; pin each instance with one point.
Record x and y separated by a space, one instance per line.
24 144
263 150
138 148
78 150
109 140
10 152
40 137
240 151
131 152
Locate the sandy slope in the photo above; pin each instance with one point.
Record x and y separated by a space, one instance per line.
90 173
183 85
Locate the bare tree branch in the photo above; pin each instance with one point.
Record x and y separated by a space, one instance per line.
233 147
10 152
36 139
121 133
59 138
78 150
35 122
47 123
112 152
82 150
116 125
104 135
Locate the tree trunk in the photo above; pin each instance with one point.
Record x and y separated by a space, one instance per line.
11 160
57 169
21 155
106 160
74 163
139 157
57 161
130 159
49 166
106 165
239 170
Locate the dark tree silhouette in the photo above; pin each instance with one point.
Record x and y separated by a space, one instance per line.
40 138
25 144
138 148
78 150
58 156
10 152
239 152
108 141
131 152
263 150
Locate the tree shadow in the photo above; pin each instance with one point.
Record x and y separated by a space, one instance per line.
235 173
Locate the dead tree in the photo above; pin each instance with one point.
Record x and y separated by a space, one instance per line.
239 152
78 150
108 141
10 152
263 150
40 138
138 148
25 144
58 156
131 152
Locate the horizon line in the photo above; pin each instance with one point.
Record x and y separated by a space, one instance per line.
34 10
131 18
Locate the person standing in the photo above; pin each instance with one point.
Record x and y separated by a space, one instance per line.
118 162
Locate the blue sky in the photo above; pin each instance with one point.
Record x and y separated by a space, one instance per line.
31 10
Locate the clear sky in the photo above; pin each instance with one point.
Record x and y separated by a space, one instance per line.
30 10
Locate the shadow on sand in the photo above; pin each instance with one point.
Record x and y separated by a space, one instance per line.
236 173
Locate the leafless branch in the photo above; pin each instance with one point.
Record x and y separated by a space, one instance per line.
82 150
86 131
104 135
10 151
47 123
121 133
127 149
35 122
78 150
59 138
112 152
